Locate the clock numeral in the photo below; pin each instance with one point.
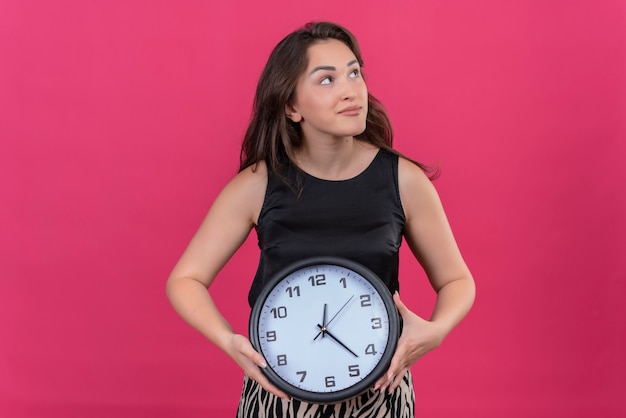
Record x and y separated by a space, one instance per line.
370 349
376 323
366 300
293 291
303 374
343 282
282 359
330 381
270 336
280 312
354 370
318 280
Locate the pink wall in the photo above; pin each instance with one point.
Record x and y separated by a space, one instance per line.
121 120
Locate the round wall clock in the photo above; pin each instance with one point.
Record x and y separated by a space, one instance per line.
327 327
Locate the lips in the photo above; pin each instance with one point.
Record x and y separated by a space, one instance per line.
350 111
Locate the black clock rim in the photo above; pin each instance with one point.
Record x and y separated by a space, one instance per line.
379 369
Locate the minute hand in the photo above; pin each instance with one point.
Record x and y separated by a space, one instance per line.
323 327
336 339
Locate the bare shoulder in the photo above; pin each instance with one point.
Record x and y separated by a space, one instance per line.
245 193
416 189
411 176
250 178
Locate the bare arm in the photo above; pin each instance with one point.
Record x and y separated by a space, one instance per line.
430 238
229 221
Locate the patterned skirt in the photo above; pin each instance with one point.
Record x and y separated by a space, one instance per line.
256 402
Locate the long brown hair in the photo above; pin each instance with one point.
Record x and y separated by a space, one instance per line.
273 137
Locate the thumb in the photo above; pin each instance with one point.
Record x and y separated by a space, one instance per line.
248 350
256 357
402 309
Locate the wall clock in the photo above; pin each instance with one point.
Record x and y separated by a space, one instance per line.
327 327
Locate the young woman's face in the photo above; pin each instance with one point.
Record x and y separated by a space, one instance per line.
331 95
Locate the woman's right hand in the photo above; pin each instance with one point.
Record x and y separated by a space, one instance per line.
241 350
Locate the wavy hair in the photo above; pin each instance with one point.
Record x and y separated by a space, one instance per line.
274 138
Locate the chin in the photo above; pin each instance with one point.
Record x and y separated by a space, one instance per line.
359 131
352 133
356 129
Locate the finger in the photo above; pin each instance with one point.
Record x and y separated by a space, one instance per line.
402 309
265 384
386 379
388 382
381 383
255 374
256 357
398 360
397 380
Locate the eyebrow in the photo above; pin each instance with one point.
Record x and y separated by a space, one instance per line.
330 67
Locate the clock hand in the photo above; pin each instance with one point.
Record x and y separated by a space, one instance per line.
340 309
324 330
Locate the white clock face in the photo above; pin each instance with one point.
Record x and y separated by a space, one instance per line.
323 329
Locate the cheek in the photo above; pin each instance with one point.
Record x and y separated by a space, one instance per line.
313 104
364 89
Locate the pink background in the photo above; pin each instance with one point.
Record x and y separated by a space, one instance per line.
121 120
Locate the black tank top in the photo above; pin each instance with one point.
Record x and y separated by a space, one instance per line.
360 219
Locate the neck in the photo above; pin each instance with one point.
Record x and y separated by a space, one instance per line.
335 160
326 155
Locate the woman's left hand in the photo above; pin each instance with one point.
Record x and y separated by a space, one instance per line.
419 336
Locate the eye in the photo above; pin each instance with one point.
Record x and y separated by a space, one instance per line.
355 73
326 80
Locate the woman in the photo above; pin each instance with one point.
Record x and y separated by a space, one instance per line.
318 176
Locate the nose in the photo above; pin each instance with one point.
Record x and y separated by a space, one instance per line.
349 90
